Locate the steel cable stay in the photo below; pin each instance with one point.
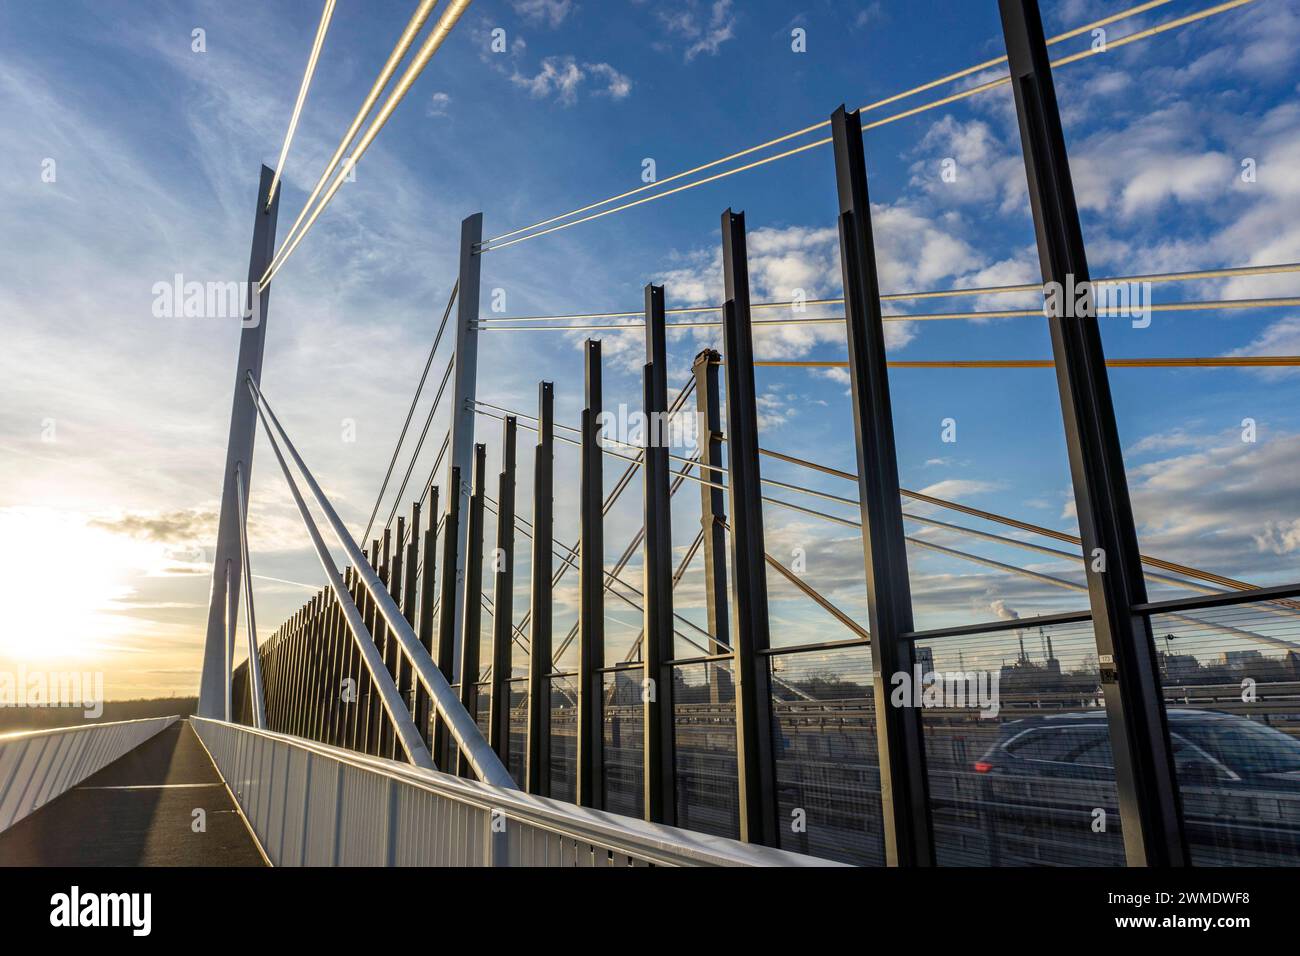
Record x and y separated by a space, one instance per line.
1231 584
407 734
1225 583
619 487
1072 586
462 726
1231 272
501 242
312 58
424 432
1276 302
413 27
432 42
951 77
611 578
419 389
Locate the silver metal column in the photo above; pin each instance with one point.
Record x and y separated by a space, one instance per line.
214 683
462 409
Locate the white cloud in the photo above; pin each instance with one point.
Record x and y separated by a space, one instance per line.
438 104
563 77
705 29
1229 506
550 12
1282 337
984 168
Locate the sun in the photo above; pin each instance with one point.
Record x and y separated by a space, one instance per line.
62 583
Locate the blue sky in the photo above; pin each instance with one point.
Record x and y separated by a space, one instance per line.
157 149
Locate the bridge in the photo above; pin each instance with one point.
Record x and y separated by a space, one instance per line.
412 713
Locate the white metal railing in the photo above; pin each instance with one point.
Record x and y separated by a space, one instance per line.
311 804
37 766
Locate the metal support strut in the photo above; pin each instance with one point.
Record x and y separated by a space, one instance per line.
1149 798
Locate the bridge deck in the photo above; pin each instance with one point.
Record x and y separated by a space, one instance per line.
138 811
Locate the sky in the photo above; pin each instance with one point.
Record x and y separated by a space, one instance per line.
129 157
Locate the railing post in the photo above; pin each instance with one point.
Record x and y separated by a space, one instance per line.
334 678
216 676
1149 800
537 773
394 649
355 667
409 591
713 517
428 579
256 698
591 611
750 635
657 602
899 741
228 638
442 754
503 594
374 627
464 377
472 616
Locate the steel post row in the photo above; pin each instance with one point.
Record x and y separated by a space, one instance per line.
314 677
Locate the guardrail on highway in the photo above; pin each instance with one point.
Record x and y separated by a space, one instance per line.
315 805
37 766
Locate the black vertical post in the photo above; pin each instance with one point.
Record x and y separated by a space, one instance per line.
1149 799
355 719
396 571
503 598
750 634
374 626
713 516
338 670
388 646
899 742
428 579
409 595
319 656
591 609
537 775
657 602
442 755
471 616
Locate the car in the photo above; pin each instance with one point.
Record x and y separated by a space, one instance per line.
1211 748
1239 780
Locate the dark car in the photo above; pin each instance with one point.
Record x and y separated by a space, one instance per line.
1239 779
1210 749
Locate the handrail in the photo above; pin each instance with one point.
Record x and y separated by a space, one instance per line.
649 842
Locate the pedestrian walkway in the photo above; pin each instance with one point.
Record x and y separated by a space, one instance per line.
140 810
